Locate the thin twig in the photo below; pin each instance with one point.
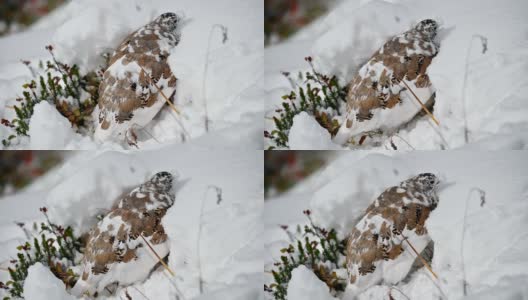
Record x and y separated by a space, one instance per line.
140 292
421 103
484 42
421 258
166 100
482 201
218 201
161 92
206 67
159 258
404 141
395 288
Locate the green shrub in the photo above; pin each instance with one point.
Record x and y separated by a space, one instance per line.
320 95
56 247
320 250
74 95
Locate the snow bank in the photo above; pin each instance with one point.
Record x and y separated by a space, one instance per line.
304 285
41 284
496 74
494 241
48 128
307 134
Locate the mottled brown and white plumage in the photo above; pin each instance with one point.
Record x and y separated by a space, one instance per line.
128 93
115 251
376 251
377 98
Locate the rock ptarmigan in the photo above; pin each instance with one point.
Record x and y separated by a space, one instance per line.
129 94
377 98
376 251
115 251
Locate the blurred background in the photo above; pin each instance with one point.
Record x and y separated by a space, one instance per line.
284 169
20 168
282 18
15 15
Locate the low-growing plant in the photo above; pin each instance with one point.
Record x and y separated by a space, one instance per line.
56 247
74 94
319 250
319 95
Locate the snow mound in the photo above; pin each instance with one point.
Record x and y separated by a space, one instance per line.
41 284
307 134
304 285
48 128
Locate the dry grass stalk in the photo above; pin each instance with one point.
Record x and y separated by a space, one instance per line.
159 258
397 289
140 292
161 92
421 258
166 100
421 103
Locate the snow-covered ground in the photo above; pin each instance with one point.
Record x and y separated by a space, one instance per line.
81 31
496 240
230 248
497 81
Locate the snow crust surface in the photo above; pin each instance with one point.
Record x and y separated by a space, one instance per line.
304 285
49 129
307 134
41 284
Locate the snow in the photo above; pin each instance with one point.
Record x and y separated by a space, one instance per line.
228 254
494 240
81 31
41 284
49 129
307 134
347 36
304 285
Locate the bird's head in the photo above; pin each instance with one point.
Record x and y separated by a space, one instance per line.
169 21
162 180
428 28
428 182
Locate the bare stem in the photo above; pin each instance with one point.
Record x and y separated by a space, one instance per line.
167 100
421 258
484 43
218 201
421 103
223 29
482 201
159 258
